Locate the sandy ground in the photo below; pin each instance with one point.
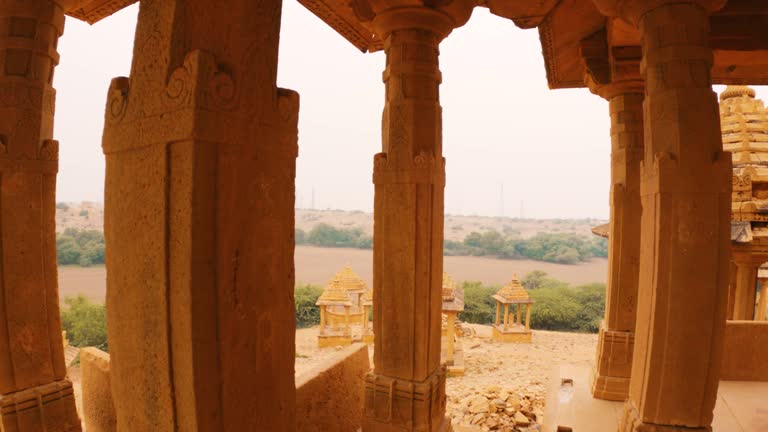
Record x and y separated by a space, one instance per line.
317 265
520 369
517 368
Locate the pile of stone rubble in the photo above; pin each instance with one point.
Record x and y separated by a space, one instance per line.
496 409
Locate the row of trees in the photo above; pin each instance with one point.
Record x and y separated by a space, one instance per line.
325 235
559 248
562 248
80 247
558 306
86 247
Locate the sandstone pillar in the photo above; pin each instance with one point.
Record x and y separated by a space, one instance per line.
406 391
528 317
685 233
35 395
731 288
451 335
617 332
200 148
745 292
762 307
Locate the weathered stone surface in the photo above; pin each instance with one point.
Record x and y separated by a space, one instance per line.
745 347
329 397
685 236
406 392
98 406
200 149
31 347
614 356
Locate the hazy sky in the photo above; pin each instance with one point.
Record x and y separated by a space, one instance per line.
502 125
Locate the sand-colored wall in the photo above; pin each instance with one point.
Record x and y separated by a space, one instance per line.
329 397
745 350
98 408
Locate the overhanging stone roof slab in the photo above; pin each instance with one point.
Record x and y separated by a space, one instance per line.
738 38
338 14
561 34
92 11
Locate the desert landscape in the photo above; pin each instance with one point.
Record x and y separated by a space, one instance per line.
315 265
504 385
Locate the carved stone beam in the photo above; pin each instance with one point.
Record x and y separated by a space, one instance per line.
633 10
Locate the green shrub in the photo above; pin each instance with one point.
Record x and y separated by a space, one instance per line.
300 236
558 306
479 307
307 314
562 248
85 323
325 235
80 247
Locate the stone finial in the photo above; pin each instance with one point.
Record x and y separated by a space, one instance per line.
737 91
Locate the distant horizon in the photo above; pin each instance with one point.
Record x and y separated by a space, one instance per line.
330 209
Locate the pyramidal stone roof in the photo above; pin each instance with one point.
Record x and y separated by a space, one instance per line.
744 122
513 292
334 294
350 281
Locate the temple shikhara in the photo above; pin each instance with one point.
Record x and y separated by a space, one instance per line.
201 148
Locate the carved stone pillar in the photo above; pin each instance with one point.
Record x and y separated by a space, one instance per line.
762 307
616 341
732 269
199 221
685 233
406 392
35 395
450 336
745 292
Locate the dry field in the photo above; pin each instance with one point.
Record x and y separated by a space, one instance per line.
317 265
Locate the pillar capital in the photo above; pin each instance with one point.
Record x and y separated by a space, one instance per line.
633 11
748 259
439 19
615 88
